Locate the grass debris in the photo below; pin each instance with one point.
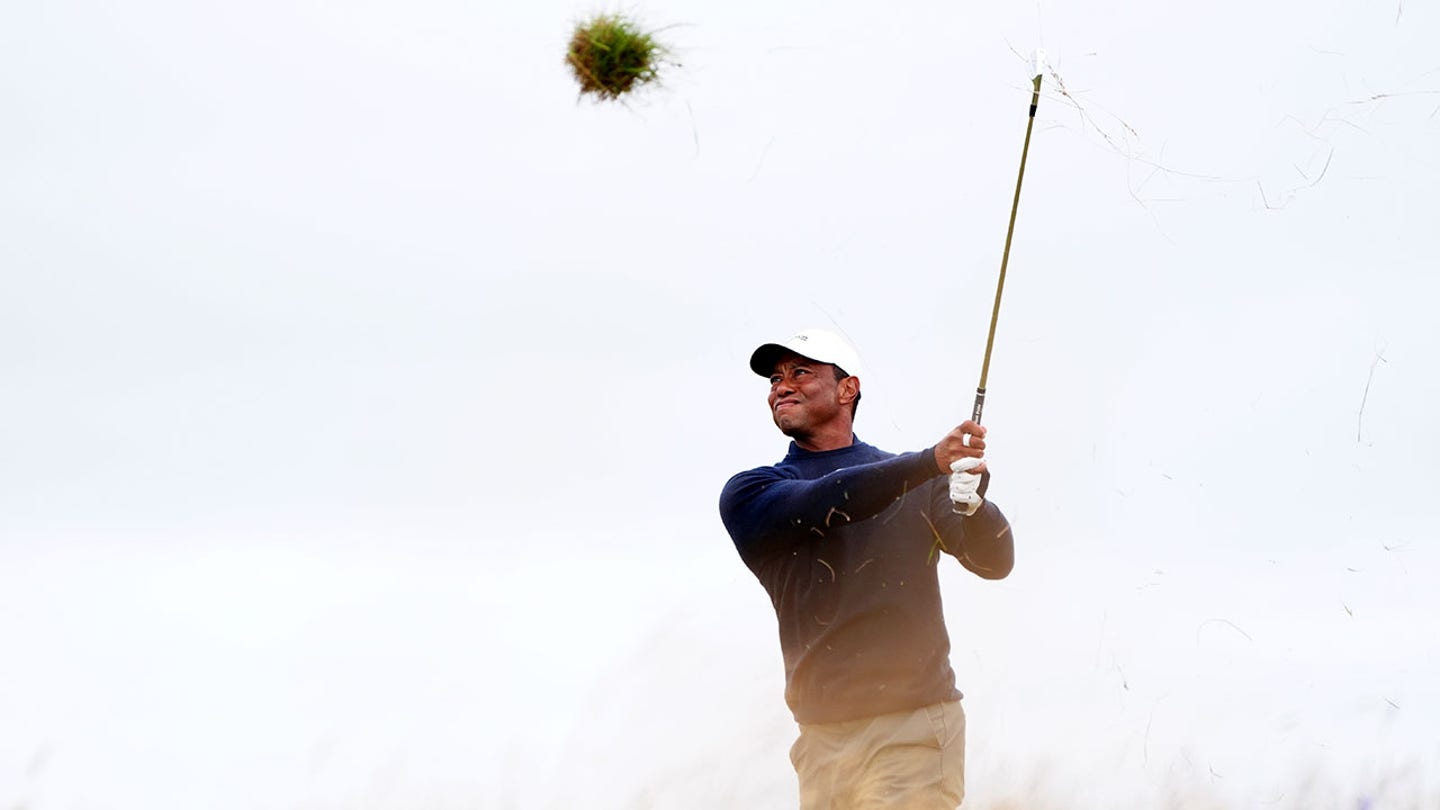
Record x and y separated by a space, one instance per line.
612 55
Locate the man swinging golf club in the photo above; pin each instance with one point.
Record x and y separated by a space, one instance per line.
846 539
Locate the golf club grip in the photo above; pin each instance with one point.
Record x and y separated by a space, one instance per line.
979 405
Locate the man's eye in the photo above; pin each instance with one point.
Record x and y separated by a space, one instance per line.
775 379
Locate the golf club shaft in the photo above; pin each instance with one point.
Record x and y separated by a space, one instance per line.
1005 257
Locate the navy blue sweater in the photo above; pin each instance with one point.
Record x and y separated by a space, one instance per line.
846 543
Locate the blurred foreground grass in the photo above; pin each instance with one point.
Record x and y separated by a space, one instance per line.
1412 786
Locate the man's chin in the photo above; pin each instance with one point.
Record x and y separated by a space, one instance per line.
790 428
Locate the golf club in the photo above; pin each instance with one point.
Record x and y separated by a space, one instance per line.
1038 60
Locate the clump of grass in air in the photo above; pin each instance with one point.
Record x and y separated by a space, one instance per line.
611 55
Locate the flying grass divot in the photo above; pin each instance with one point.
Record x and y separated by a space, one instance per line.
611 55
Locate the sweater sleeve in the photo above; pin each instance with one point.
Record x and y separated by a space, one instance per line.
764 507
981 542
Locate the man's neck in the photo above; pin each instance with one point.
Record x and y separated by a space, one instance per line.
835 439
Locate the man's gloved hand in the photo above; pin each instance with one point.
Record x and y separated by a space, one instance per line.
965 486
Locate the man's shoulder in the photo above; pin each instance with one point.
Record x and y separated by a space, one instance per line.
768 472
799 464
870 451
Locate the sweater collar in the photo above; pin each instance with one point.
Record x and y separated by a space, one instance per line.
796 452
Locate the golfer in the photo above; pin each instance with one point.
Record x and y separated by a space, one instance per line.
846 539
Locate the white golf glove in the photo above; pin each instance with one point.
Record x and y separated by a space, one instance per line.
965 486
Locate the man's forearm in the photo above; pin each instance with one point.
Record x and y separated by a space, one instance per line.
756 506
988 547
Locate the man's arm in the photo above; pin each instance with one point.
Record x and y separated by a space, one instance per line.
981 542
764 506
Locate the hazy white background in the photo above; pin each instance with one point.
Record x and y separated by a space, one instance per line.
365 399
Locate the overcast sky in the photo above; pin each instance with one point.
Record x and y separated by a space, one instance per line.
365 397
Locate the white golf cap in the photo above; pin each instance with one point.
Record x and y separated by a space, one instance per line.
820 345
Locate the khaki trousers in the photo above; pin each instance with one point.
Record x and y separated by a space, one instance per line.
906 760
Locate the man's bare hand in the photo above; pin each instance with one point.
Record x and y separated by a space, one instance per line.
965 441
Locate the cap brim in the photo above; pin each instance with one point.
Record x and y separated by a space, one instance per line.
762 362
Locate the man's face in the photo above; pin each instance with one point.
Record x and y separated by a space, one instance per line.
805 396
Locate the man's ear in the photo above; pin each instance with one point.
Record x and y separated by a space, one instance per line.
849 390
